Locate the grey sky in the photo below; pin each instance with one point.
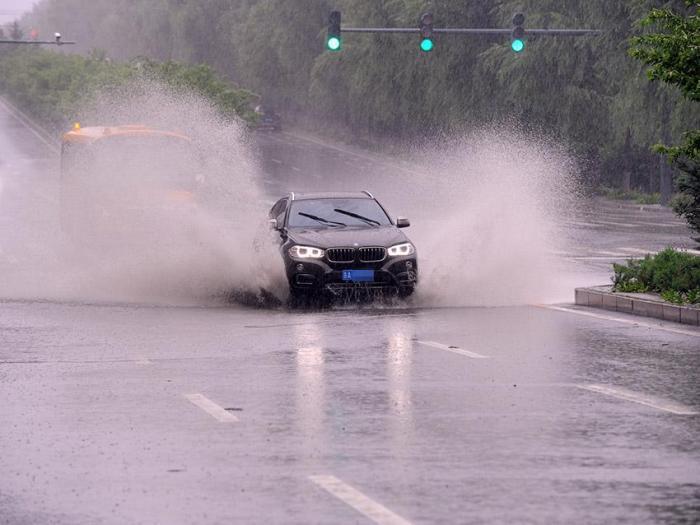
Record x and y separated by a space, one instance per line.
11 9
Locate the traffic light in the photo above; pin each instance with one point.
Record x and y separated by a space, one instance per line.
426 32
334 41
517 42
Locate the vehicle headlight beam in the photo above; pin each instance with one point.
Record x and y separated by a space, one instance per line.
405 248
306 252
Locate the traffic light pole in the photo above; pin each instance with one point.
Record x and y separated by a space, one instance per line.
473 31
425 29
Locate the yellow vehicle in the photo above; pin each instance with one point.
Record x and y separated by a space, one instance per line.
117 177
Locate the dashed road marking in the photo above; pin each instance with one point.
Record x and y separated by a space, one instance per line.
143 361
211 408
295 168
376 512
619 320
276 161
636 397
453 349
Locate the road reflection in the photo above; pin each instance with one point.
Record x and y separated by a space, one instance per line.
310 389
399 360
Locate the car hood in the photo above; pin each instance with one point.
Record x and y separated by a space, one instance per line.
339 237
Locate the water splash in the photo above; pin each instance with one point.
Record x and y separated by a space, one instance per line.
129 244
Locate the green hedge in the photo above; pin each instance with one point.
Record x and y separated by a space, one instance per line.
53 86
673 274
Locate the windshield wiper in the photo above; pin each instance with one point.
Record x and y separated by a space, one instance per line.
356 216
321 219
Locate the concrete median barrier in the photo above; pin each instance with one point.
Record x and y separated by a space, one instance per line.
642 304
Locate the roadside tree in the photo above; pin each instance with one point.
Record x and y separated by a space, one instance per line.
673 55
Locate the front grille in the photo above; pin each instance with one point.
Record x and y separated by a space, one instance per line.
372 254
341 255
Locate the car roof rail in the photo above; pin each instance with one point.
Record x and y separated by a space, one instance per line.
368 194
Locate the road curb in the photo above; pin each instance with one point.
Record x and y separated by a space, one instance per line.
637 304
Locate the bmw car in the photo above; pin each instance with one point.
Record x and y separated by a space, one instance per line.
343 245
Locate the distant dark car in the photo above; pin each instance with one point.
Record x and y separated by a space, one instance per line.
343 245
268 120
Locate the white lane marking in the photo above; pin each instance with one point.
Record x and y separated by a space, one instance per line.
619 319
453 349
635 397
143 361
28 124
357 500
211 408
296 169
621 224
276 161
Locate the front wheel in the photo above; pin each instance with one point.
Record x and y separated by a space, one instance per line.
406 291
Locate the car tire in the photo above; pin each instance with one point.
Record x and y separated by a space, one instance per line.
406 291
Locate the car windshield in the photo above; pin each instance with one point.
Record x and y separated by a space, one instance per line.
337 213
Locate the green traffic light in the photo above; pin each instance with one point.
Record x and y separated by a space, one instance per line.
517 45
333 43
426 45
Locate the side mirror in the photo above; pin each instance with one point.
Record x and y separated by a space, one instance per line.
402 222
272 223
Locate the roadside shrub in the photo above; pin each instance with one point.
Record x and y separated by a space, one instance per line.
672 273
637 196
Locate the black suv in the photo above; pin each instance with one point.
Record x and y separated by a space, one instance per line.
343 244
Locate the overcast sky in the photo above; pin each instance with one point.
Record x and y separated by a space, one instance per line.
11 9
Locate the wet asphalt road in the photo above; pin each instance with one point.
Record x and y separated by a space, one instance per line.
152 414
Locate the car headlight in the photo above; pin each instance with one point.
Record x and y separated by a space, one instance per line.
405 248
306 252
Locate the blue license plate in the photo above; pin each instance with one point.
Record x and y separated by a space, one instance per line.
358 276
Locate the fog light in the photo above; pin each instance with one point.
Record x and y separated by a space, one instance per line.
300 267
409 265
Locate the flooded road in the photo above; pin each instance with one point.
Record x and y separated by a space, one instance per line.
126 413
179 415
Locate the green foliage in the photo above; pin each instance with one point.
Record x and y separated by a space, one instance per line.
671 273
637 196
53 86
674 58
674 54
689 297
203 80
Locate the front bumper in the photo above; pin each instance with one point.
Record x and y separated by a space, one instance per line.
397 274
